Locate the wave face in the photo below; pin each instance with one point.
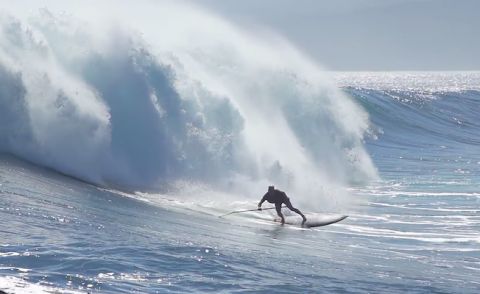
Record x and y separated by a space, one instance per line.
427 123
137 96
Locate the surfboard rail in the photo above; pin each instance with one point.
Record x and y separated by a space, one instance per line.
314 220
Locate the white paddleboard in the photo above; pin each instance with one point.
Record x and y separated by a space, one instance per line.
314 220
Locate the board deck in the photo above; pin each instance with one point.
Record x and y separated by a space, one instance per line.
313 221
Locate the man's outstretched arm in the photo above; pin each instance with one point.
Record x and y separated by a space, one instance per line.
261 202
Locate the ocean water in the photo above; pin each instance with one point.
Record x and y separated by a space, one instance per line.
122 144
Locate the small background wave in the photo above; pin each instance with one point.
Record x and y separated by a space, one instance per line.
426 123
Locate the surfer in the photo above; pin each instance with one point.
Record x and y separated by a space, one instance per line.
278 197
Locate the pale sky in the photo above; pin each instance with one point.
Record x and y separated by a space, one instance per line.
356 35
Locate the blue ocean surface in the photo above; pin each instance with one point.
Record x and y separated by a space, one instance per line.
61 235
120 152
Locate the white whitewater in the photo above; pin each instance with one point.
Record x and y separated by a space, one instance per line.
161 94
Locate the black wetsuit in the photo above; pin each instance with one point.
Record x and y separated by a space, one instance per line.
278 198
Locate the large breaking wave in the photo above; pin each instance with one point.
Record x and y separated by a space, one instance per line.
160 92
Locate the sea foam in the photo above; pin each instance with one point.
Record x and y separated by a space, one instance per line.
176 94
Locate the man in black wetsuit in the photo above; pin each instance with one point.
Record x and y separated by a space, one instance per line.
278 197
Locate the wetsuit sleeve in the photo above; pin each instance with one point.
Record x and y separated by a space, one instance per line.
263 200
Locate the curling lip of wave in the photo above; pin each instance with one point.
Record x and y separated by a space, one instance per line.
108 106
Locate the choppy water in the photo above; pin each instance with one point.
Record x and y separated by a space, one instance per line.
60 234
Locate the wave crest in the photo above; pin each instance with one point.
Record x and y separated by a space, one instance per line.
116 103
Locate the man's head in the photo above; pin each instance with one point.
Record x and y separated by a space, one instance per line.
271 188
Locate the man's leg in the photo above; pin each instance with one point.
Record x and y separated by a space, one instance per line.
278 207
289 205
